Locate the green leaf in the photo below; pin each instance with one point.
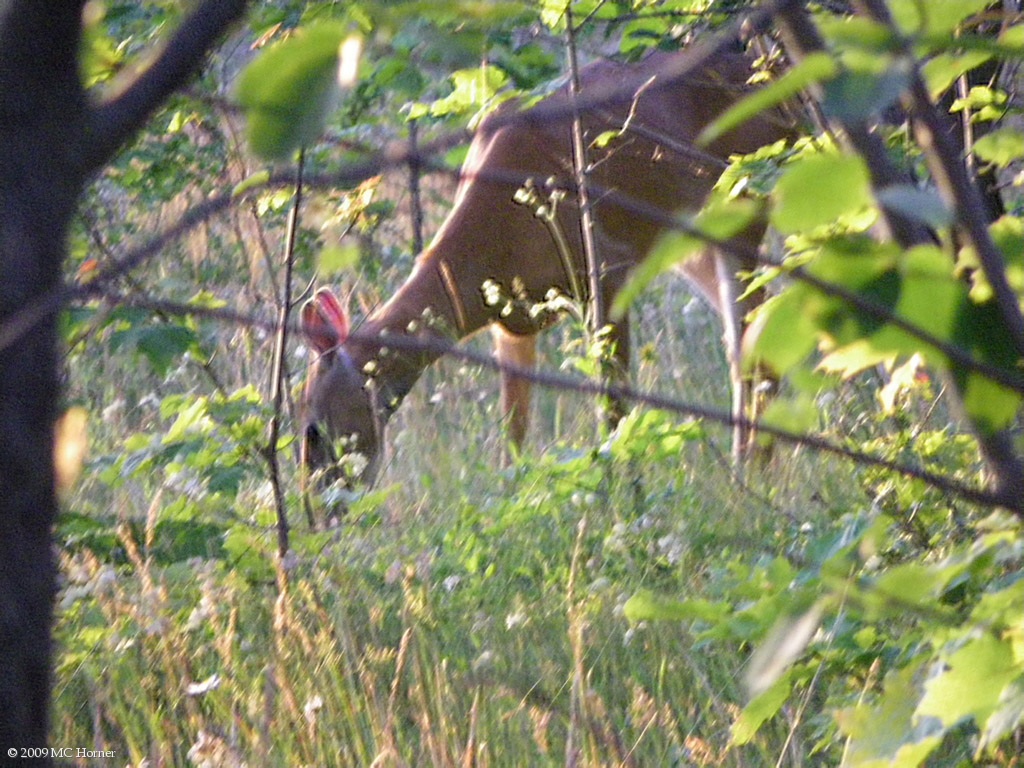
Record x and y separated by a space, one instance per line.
473 89
647 606
160 344
942 70
761 708
193 417
972 684
552 12
858 33
918 287
338 258
718 221
814 69
783 333
856 95
1001 147
249 551
886 735
253 181
819 189
671 249
1008 234
799 414
934 17
290 89
980 330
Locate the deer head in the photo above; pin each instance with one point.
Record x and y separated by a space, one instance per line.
341 426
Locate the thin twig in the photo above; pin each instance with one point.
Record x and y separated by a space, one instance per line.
608 411
278 369
415 193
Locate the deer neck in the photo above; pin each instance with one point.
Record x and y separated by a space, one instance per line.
424 317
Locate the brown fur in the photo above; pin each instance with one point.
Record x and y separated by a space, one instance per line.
487 237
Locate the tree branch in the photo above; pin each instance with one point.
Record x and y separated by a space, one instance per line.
567 383
956 187
997 449
114 121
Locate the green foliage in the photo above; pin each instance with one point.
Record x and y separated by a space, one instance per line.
820 190
291 88
473 89
814 69
811 610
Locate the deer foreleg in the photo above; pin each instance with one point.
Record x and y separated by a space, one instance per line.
515 351
733 312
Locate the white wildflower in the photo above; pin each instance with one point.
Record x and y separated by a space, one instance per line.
198 689
312 708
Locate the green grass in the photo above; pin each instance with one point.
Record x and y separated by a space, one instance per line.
473 616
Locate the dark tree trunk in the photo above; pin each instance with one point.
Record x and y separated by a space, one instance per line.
41 113
51 140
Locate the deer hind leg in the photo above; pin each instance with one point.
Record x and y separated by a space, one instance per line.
751 386
518 351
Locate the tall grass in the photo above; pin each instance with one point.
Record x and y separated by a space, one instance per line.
471 618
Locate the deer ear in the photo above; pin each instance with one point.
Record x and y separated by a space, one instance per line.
324 321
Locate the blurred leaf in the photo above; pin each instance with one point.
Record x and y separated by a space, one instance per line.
797 415
552 12
252 181
979 329
764 706
161 344
783 333
335 259
935 17
718 221
192 417
289 90
972 684
647 606
1001 146
858 33
1008 234
473 88
813 69
819 189
856 96
249 551
942 70
885 735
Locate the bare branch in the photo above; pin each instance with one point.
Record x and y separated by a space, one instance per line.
114 121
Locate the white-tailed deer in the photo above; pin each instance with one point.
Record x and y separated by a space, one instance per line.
647 171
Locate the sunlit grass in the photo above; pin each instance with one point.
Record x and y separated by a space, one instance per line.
474 617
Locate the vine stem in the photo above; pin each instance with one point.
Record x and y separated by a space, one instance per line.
278 368
597 314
